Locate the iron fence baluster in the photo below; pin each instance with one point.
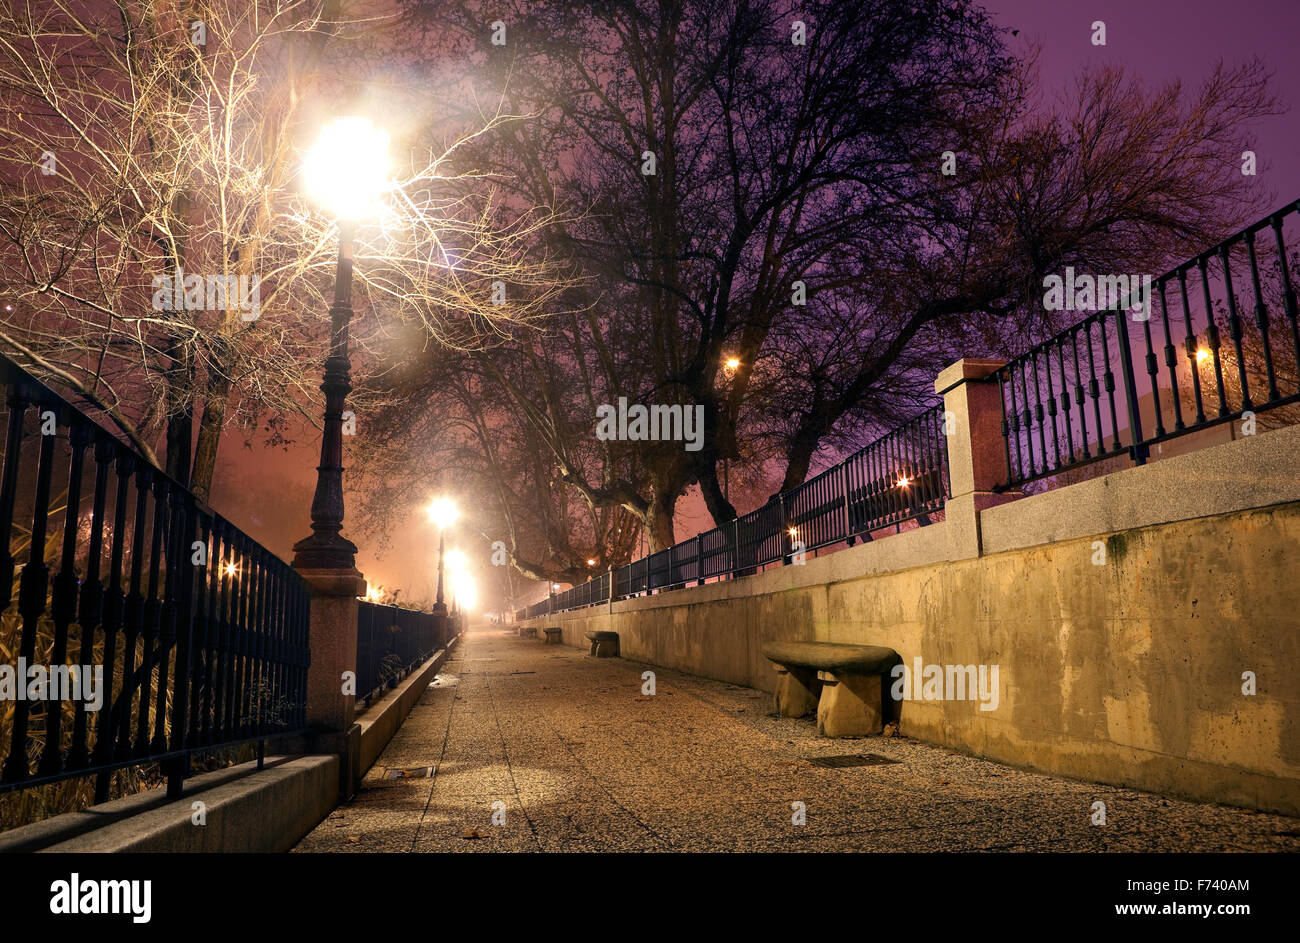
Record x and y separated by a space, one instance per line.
1235 326
1171 358
32 585
1137 449
1153 374
63 598
1192 347
90 607
1080 398
1212 334
1261 318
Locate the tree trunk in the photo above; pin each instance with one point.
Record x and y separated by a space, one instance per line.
660 531
210 426
180 412
180 435
718 504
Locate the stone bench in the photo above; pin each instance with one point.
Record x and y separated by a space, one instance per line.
844 683
604 644
527 631
554 635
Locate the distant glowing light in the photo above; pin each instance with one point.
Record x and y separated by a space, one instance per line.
733 363
902 481
591 563
794 532
466 593
374 593
555 587
231 569
1202 355
347 170
455 561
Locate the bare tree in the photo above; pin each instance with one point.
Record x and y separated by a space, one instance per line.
161 143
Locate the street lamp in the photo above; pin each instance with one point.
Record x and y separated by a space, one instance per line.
443 513
346 172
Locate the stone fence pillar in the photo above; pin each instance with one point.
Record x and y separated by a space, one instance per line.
976 453
330 703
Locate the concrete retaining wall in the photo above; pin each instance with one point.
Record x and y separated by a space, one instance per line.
1129 672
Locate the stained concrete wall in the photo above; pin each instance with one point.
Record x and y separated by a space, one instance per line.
1128 672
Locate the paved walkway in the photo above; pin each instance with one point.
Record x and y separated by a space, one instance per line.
577 759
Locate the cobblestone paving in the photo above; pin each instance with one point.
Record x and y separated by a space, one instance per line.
567 747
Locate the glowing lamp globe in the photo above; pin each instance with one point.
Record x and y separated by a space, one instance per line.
347 171
443 512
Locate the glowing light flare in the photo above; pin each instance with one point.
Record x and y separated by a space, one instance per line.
455 562
230 569
903 481
733 363
347 170
1202 355
443 512
464 589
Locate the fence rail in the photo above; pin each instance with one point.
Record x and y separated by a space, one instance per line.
391 642
902 476
197 632
1115 385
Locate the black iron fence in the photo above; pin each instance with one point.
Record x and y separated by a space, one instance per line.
392 641
112 570
1217 343
902 476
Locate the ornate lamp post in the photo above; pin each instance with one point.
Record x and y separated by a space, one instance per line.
347 173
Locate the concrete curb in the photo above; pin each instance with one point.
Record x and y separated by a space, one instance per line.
243 810
382 719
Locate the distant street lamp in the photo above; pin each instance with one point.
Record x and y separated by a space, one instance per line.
463 592
346 173
443 513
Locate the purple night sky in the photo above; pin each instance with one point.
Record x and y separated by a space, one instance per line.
1162 41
